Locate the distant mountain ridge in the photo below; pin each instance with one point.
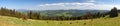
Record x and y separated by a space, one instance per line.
71 12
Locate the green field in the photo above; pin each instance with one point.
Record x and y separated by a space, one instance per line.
106 21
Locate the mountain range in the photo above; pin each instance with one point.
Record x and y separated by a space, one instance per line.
72 12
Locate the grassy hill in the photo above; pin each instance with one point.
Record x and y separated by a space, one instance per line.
106 21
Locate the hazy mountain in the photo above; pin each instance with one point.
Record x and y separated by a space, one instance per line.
70 12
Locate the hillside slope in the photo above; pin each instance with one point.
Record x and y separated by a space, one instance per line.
106 21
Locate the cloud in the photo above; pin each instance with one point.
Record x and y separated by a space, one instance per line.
67 6
103 7
80 6
91 0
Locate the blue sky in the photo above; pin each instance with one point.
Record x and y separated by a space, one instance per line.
60 4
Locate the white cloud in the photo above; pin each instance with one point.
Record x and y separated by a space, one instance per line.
106 7
81 6
103 7
75 5
67 6
91 0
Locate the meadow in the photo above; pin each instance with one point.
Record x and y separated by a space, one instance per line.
102 21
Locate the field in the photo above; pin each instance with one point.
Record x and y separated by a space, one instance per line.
106 21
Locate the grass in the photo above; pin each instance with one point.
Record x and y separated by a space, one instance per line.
106 21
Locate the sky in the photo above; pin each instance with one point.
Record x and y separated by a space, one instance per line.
60 4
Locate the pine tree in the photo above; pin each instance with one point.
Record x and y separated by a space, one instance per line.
98 14
114 12
30 14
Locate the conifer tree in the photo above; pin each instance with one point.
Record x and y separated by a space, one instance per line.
114 12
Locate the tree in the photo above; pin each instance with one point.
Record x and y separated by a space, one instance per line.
98 14
34 15
30 14
114 12
89 15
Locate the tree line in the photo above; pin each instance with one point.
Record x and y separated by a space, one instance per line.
38 16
